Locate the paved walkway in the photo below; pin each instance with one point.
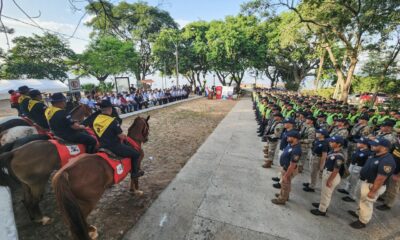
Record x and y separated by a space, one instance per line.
223 193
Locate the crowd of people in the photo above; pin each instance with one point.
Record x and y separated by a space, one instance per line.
137 99
339 143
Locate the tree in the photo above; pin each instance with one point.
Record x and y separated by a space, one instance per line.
136 22
232 44
38 57
351 23
106 56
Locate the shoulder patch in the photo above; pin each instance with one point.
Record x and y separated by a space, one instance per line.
387 168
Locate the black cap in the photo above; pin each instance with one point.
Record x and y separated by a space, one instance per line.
381 142
11 91
344 120
324 132
310 117
57 97
278 115
321 116
23 89
104 104
364 117
388 123
34 93
293 133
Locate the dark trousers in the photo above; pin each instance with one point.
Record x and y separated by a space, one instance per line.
123 150
82 138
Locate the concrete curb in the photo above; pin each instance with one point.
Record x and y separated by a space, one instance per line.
126 115
8 229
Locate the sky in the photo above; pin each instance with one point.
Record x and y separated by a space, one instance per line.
60 16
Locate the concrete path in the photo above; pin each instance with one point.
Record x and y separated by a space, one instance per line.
223 193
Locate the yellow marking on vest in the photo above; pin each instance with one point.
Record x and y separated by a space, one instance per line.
49 113
101 123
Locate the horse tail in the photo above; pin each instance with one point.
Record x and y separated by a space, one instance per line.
6 177
69 206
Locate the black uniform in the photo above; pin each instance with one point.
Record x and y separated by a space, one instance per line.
289 155
382 165
36 113
23 104
60 123
319 147
360 157
335 160
107 130
88 122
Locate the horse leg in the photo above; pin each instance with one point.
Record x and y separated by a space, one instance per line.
134 188
32 197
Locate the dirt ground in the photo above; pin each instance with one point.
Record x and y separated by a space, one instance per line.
175 134
6 110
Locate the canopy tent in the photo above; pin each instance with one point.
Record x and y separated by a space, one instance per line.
45 86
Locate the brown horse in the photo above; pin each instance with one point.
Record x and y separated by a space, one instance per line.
31 164
77 196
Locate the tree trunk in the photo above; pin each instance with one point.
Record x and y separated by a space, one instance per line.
338 71
346 86
320 68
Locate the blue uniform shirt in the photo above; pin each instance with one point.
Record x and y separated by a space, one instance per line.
378 165
335 160
320 146
359 157
284 142
290 154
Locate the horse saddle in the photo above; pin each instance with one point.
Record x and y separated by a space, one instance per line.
111 155
67 150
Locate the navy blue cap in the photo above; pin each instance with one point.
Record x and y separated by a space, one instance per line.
289 120
310 117
23 89
389 123
336 139
104 104
323 132
58 97
363 140
278 115
34 93
293 133
381 142
364 117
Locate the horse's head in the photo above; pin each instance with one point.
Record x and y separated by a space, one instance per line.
139 130
80 112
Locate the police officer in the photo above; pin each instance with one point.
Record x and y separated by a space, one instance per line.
273 135
361 129
386 131
110 135
288 161
63 126
374 176
331 176
321 122
23 100
320 148
307 135
288 125
393 185
37 108
357 161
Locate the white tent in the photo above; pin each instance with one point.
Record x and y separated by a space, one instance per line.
45 86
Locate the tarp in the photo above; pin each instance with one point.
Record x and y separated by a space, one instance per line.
45 86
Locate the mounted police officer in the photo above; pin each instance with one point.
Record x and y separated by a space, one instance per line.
110 135
23 100
331 176
288 161
374 176
37 108
63 126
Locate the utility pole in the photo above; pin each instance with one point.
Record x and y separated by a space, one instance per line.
177 65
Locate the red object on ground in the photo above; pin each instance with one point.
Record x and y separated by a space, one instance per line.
218 92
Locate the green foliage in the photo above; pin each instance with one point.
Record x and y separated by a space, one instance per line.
38 57
106 87
137 22
324 92
87 87
368 84
106 56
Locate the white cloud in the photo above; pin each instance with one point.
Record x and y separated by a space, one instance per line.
182 23
22 29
